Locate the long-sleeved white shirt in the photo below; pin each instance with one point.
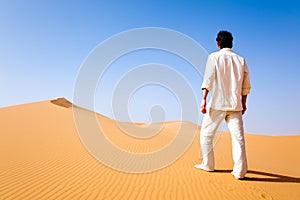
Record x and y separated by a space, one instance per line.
227 75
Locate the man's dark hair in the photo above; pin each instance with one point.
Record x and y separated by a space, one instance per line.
224 39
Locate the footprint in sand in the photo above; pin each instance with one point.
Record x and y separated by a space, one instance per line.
261 193
256 191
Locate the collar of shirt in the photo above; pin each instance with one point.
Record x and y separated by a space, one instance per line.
226 49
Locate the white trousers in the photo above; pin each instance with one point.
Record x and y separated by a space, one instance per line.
210 124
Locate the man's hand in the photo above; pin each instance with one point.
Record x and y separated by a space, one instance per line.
244 100
244 109
203 106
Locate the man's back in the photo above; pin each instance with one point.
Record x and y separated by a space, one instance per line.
228 76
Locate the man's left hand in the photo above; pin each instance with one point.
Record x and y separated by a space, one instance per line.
203 106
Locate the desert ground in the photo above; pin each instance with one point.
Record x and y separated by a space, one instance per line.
42 157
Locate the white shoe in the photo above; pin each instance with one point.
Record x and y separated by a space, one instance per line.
237 177
200 166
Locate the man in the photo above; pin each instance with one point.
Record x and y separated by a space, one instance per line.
227 75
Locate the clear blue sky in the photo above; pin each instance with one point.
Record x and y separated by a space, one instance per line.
43 44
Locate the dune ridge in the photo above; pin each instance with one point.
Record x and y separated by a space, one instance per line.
42 157
62 102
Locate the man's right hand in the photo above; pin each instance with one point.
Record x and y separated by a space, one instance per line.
244 99
244 109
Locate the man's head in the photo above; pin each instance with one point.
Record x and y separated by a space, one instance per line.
224 39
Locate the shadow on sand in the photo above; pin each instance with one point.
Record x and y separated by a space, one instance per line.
62 102
269 177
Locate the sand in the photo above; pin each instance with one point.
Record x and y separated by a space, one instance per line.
42 157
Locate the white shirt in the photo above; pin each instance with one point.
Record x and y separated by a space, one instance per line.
227 75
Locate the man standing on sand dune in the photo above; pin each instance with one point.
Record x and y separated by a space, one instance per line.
227 75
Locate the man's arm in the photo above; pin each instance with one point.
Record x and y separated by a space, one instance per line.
208 80
244 99
245 87
203 104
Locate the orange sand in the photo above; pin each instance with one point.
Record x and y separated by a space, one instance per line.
42 157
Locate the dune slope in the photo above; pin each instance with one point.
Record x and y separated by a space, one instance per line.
42 157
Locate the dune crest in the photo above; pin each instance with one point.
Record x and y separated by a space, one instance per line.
62 102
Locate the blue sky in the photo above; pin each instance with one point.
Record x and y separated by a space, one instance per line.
43 44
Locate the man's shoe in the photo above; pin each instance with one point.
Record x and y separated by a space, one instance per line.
237 178
200 166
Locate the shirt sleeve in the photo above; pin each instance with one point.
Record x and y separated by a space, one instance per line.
246 80
209 75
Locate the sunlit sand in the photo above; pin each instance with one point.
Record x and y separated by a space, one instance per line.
42 157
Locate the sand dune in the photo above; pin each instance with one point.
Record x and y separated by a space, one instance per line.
42 157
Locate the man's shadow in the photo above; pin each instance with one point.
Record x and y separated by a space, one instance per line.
270 177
